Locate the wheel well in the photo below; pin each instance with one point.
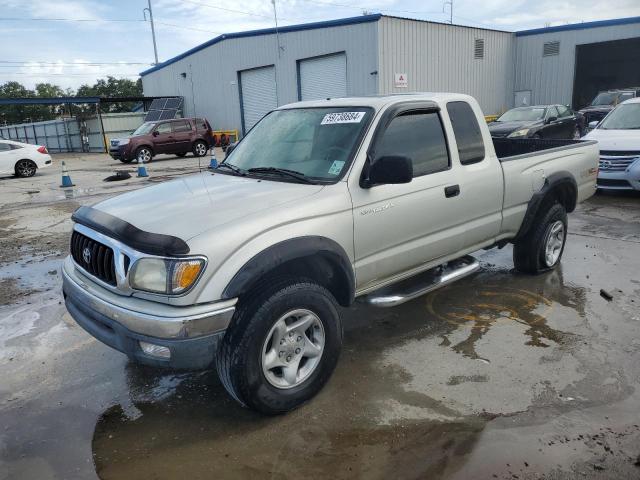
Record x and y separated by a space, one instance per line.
200 140
15 166
565 193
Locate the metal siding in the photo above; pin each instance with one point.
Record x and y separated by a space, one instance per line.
324 77
215 69
258 90
440 57
550 78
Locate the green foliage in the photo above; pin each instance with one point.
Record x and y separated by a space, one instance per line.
109 87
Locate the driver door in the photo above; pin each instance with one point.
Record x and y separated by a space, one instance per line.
401 227
163 141
7 159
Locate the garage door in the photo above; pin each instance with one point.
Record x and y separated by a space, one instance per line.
258 93
323 77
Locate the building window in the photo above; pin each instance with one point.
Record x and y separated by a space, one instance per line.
551 48
478 49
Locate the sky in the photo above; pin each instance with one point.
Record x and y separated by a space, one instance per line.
57 41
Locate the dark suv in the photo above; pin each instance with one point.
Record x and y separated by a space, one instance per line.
178 136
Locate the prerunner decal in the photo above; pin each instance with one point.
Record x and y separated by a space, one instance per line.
342 117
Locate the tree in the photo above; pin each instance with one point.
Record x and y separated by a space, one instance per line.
113 87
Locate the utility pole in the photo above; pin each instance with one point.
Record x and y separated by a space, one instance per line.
153 30
450 3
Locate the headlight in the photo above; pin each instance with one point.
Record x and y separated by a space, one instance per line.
518 133
123 141
168 276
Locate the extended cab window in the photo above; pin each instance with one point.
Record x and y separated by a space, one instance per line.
164 128
467 132
418 136
182 126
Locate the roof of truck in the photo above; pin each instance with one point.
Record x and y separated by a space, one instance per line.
378 101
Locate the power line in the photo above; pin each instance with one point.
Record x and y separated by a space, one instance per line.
361 7
216 7
87 74
69 64
37 19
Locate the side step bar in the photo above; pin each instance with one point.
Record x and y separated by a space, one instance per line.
425 282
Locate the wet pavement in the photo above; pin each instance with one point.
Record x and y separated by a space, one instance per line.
500 375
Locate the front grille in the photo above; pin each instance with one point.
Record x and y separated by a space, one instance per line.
620 153
608 182
615 164
94 257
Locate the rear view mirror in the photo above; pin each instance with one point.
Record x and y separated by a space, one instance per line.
593 124
155 133
390 169
229 149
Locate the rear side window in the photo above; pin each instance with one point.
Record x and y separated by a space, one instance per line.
181 126
419 136
467 132
201 124
4 147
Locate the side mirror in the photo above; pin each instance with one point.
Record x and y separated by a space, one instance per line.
593 124
229 149
551 119
155 133
389 170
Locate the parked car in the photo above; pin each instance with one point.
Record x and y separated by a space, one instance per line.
538 121
618 137
380 198
179 137
606 101
22 159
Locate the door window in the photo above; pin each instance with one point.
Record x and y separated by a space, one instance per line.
4 147
181 126
163 128
467 132
563 111
419 136
552 112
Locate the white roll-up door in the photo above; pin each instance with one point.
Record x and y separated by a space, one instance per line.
258 90
323 77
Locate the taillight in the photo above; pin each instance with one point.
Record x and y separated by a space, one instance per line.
42 149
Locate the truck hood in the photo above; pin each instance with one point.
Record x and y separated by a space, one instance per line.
508 127
622 140
191 205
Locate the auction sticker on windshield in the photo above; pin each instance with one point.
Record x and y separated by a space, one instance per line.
342 117
336 167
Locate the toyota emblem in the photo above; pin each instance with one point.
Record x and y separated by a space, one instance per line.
605 164
86 255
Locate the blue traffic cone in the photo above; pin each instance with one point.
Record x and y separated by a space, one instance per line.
214 162
66 179
142 170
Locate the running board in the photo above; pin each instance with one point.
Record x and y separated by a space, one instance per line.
425 282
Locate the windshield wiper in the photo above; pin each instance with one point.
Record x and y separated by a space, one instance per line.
233 168
282 171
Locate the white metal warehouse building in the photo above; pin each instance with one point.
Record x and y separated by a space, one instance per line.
236 78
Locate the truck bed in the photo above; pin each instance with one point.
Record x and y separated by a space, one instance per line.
514 148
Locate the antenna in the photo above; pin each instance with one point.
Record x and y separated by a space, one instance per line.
153 30
275 17
444 5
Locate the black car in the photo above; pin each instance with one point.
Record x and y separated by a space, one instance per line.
607 101
538 121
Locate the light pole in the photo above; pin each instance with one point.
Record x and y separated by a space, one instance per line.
153 30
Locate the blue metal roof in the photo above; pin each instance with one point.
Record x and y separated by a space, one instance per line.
579 26
268 31
48 100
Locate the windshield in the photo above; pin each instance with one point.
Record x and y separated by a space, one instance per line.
611 98
522 114
143 129
624 117
316 142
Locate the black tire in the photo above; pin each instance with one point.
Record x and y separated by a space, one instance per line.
127 160
200 148
146 153
25 168
181 154
529 253
239 358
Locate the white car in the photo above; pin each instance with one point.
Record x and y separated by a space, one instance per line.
22 159
618 135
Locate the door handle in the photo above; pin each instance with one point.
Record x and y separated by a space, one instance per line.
452 191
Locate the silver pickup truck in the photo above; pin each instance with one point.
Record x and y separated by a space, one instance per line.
380 199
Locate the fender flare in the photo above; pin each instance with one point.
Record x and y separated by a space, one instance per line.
314 248
556 182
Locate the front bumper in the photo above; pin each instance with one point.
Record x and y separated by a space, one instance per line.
626 180
191 334
119 153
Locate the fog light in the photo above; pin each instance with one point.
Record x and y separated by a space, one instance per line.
155 350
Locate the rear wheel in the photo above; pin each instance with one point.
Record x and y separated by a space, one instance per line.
282 346
144 154
200 148
25 168
542 247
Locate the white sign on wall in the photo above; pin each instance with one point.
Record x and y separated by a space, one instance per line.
400 80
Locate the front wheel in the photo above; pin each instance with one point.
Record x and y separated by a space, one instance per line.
26 168
542 247
282 346
144 155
